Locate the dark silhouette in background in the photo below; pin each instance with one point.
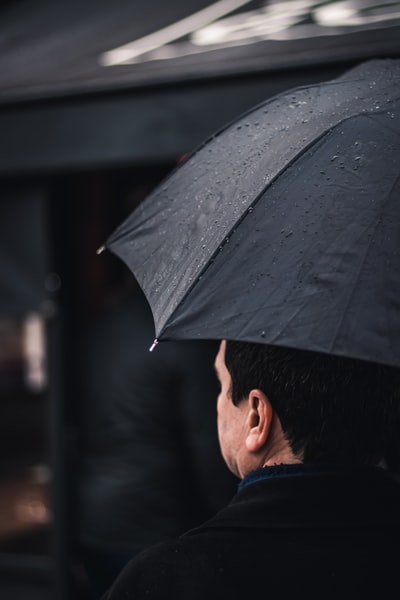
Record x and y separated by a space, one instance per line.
149 464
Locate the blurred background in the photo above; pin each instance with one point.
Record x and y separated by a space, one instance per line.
99 101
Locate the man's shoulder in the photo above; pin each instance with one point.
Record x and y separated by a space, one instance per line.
155 572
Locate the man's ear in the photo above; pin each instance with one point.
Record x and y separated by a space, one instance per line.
259 420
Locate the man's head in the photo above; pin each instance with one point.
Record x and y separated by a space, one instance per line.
291 405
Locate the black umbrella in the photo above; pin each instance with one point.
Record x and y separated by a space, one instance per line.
284 227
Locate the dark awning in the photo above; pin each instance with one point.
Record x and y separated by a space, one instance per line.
96 83
52 48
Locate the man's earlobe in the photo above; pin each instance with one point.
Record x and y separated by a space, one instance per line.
259 420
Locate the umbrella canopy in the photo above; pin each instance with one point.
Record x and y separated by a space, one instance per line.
284 227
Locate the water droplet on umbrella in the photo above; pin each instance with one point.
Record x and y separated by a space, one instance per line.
263 334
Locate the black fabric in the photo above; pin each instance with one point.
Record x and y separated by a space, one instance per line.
331 536
283 227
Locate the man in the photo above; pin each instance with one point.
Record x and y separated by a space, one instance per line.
315 516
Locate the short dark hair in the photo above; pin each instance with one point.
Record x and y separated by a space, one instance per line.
331 408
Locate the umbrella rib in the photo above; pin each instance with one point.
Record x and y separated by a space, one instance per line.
246 114
334 83
250 208
257 199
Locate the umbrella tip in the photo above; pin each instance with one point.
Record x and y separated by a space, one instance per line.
100 250
154 344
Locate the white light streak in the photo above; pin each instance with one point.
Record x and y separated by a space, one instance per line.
212 28
129 53
35 352
347 13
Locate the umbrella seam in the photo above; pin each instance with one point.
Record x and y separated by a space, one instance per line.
323 84
227 238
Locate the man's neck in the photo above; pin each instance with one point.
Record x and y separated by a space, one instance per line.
283 458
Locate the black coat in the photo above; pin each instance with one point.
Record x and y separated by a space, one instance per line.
326 536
